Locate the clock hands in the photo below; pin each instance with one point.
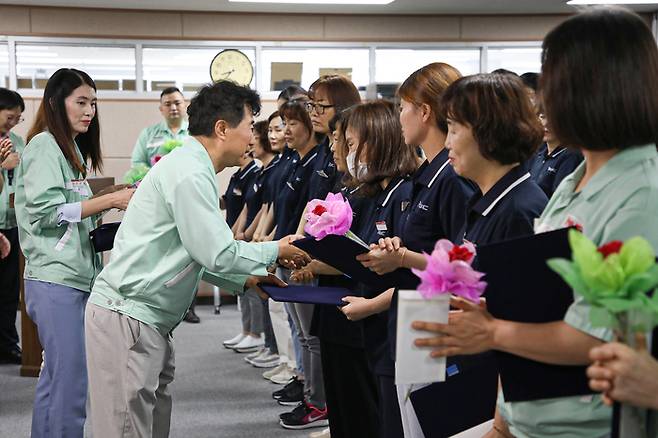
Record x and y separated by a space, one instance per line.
226 74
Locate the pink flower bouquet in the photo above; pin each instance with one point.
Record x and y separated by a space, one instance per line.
449 271
331 216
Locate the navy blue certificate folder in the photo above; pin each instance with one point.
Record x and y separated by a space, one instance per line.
521 287
340 252
307 294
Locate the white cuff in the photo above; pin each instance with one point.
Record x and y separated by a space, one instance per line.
71 213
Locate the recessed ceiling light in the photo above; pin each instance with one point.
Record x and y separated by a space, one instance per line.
612 2
320 2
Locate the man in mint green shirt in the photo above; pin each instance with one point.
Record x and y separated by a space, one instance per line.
149 147
11 147
171 236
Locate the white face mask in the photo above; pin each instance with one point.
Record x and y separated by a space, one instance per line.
358 173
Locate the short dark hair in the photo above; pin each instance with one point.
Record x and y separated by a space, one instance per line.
615 107
261 128
290 92
531 80
9 99
497 109
377 125
295 110
52 117
223 100
169 90
273 116
504 71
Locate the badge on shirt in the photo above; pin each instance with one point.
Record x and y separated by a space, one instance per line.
255 187
155 143
322 173
404 205
78 186
381 226
237 192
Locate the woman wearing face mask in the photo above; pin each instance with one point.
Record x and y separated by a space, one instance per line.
55 212
11 146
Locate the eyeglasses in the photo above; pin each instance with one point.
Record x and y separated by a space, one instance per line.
318 107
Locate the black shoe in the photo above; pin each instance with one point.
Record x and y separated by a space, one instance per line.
299 410
191 317
304 416
291 394
11 356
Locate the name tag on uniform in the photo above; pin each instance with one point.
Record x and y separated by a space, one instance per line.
78 186
381 226
155 143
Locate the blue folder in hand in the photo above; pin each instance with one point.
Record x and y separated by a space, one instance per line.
340 252
521 287
307 294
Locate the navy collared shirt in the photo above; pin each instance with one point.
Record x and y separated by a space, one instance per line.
235 195
438 207
294 194
379 219
548 170
324 176
506 211
255 197
285 160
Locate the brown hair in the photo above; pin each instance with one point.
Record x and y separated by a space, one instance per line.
497 109
599 80
52 117
426 85
341 91
261 128
381 143
295 110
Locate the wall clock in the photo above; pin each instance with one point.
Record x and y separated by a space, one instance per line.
232 65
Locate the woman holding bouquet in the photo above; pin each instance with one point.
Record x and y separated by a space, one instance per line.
610 196
55 212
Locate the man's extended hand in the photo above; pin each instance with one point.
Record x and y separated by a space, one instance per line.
290 256
254 281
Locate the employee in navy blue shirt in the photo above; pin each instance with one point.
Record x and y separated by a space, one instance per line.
233 199
553 162
350 386
492 131
436 210
329 95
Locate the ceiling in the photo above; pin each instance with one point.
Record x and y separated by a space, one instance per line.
397 7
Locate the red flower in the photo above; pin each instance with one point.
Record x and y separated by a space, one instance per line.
611 248
319 210
460 253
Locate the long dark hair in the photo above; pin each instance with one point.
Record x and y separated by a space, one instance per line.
53 118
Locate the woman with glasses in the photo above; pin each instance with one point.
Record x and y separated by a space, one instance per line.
11 146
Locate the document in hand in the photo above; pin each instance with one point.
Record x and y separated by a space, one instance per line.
102 238
340 252
522 288
307 294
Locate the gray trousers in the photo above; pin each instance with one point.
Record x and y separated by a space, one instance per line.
302 315
252 312
130 366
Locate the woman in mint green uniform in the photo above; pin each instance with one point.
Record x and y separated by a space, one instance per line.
55 212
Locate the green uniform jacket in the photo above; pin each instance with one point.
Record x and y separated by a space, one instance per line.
7 215
55 251
170 236
150 141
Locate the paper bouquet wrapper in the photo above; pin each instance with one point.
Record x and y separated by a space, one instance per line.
414 364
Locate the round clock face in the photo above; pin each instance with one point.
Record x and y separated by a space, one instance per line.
232 65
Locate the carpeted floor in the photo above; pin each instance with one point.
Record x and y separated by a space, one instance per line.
216 393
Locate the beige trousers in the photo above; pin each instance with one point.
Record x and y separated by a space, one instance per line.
130 366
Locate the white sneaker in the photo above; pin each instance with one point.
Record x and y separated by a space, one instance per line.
249 345
283 377
260 352
234 340
268 360
322 434
274 371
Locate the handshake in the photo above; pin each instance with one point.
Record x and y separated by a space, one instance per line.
290 256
